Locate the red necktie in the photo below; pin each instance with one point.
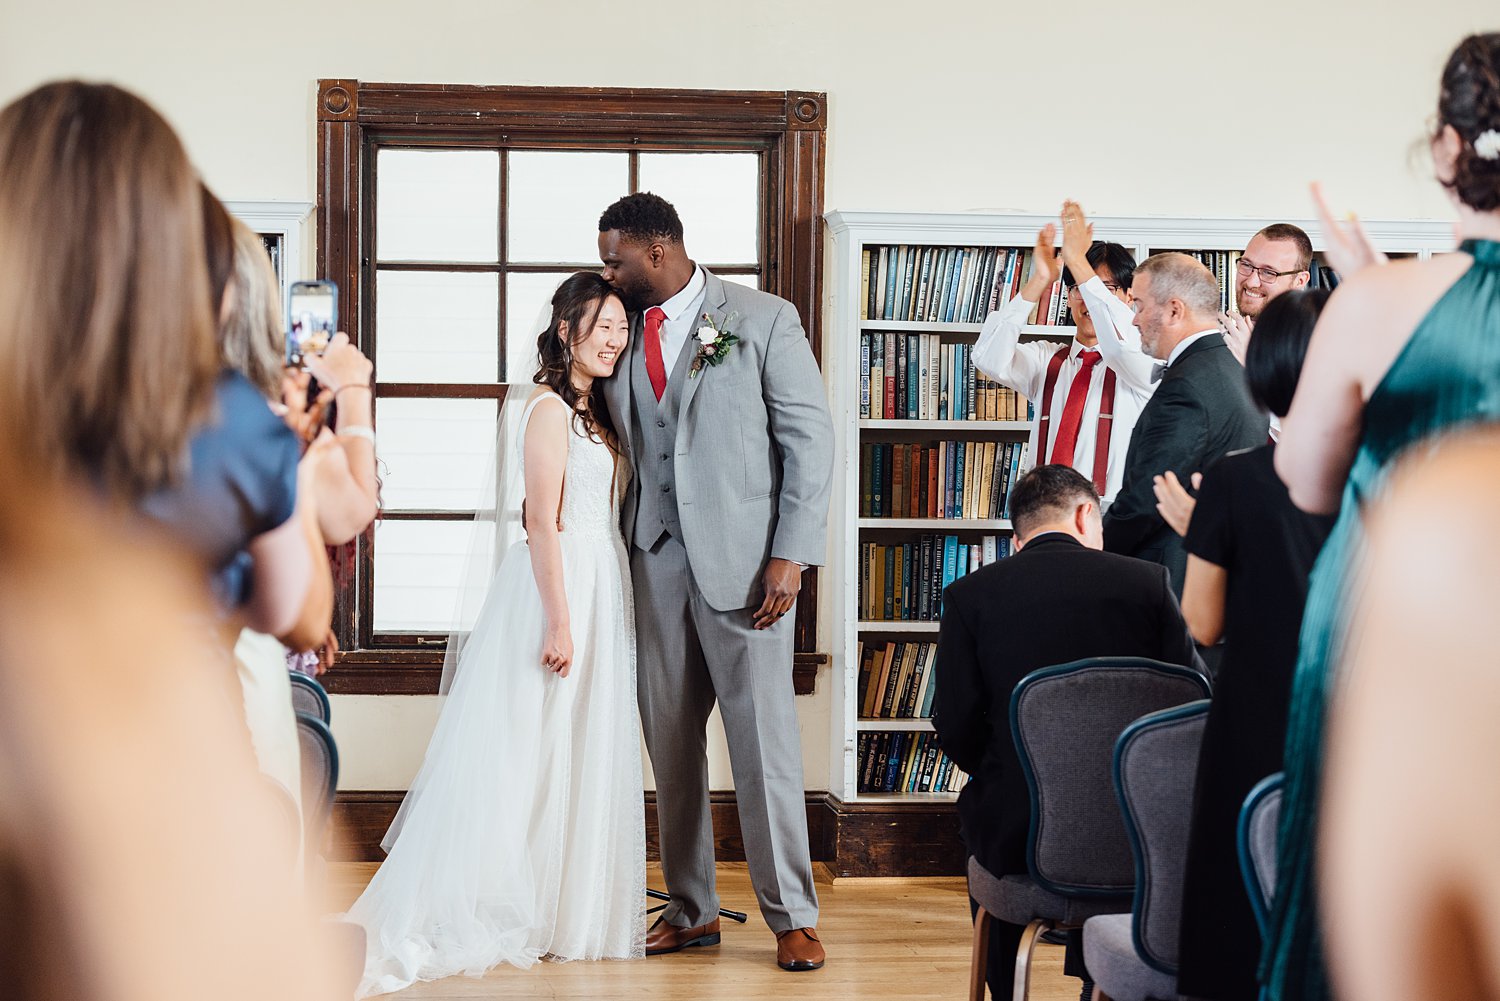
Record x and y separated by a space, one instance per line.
655 370
1072 417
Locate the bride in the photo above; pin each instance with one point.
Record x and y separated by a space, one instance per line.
523 836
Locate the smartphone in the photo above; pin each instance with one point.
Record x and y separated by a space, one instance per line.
312 318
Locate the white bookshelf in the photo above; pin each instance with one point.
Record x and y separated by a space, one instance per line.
849 233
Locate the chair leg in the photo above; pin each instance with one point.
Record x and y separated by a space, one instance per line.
980 957
1021 989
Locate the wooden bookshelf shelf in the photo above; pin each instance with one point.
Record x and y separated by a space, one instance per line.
898 626
909 797
939 524
892 725
943 427
922 327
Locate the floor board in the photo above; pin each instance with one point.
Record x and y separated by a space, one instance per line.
886 938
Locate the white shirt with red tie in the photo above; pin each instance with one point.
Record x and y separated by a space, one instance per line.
1000 355
684 315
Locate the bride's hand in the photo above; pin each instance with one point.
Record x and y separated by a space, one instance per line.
557 650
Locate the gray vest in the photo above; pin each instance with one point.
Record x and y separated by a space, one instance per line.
656 431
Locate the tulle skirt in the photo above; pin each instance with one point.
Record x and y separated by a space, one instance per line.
523 835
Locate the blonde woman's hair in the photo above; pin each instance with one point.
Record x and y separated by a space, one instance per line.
107 340
251 340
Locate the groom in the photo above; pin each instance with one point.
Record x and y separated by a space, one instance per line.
723 415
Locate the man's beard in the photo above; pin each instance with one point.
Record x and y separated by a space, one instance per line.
636 297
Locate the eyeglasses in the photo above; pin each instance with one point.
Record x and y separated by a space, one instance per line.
1267 275
1110 287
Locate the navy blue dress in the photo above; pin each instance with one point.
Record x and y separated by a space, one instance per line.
241 483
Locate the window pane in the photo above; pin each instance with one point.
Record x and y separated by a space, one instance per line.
528 310
437 205
419 566
555 202
436 327
749 281
718 197
435 452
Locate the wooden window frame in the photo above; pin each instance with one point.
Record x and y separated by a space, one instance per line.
788 128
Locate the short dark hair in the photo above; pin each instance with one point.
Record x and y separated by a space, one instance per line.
1291 234
1046 493
1121 263
643 217
1273 361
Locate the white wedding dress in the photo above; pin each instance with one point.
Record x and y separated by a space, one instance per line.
523 836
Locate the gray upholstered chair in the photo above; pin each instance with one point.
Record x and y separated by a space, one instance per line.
309 697
1065 721
320 777
1260 820
1133 957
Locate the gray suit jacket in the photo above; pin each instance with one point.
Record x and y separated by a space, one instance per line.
754 447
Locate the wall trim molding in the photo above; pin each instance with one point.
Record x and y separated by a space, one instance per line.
852 839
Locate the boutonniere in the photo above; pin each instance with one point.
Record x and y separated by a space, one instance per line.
714 342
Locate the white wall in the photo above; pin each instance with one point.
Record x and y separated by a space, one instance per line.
1151 107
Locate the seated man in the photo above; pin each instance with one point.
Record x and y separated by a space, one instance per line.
1059 599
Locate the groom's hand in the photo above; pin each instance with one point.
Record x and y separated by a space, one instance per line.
783 579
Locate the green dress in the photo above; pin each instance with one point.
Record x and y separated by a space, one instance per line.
1447 376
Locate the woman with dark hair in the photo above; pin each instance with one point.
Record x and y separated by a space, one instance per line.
1405 351
1249 553
523 837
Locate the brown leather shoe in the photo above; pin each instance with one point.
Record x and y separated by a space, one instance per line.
799 949
664 938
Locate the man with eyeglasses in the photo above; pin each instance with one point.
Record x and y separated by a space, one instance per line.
1276 260
1087 397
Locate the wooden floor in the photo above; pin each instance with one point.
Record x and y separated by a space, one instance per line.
886 938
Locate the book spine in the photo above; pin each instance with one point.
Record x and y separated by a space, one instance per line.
908 277
901 412
889 397
888 590
913 376
898 481
959 479
864 376
877 480
889 261
924 593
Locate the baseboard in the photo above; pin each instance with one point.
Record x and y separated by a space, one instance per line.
853 839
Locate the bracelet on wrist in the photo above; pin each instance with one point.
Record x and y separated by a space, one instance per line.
357 431
352 385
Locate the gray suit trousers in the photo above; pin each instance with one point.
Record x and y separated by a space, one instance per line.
688 656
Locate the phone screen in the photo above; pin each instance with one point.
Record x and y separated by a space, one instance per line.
312 319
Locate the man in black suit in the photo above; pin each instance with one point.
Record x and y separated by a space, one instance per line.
1058 599
1201 409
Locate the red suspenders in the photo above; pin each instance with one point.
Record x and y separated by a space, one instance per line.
1106 417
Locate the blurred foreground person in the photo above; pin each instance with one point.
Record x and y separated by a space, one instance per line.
1410 878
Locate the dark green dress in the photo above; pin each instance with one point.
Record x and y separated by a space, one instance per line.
1447 376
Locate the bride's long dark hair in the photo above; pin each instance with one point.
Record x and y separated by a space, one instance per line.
576 304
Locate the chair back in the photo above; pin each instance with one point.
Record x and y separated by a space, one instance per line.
1065 721
1260 820
1156 769
320 778
309 697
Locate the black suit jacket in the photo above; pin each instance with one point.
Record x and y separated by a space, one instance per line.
1202 410
1053 602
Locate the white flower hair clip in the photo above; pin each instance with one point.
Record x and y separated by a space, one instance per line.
1487 145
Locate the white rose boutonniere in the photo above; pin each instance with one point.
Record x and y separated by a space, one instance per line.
714 342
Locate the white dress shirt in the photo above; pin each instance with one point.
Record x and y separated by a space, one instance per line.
1001 356
684 316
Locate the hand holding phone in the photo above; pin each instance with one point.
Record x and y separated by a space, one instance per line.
312 320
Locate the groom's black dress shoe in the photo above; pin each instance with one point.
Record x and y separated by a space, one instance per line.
664 938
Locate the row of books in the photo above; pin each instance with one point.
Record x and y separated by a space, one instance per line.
945 479
904 582
1223 264
949 284
896 680
906 762
918 377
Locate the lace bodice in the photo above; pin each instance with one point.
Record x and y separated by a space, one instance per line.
593 482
